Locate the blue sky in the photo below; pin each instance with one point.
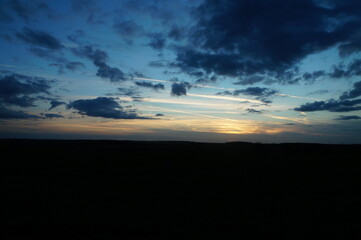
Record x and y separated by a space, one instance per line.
210 71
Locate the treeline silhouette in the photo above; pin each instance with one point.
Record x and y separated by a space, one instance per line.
87 189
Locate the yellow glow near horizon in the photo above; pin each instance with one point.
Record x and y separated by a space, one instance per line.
192 122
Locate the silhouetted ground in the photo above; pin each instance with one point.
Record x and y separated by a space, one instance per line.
178 190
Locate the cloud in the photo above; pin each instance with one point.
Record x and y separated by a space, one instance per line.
89 52
157 41
112 73
52 115
243 38
39 39
15 89
158 86
6 113
261 94
352 117
331 105
15 84
206 80
128 28
311 77
342 71
99 58
180 88
353 93
23 9
104 107
72 66
343 104
46 46
176 33
93 18
251 110
55 103
23 101
130 92
157 64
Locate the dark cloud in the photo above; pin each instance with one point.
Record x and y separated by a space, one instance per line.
251 110
176 33
261 94
256 91
130 92
72 66
104 107
6 113
242 38
206 79
157 64
180 88
353 93
157 41
17 84
318 92
136 74
331 105
91 53
128 28
21 91
343 104
94 18
342 71
251 79
75 37
353 45
52 115
55 103
48 55
344 118
311 77
39 39
137 99
158 86
111 73
99 58
21 101
22 9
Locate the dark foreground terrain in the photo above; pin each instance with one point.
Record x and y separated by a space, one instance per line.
178 190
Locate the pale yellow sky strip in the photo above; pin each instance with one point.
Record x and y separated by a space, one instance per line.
193 113
182 101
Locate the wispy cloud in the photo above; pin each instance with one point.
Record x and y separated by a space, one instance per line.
236 99
298 97
298 120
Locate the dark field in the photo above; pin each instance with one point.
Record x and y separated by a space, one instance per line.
178 190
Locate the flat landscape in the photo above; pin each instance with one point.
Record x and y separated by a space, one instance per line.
88 189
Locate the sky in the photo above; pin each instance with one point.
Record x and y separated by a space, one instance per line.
181 70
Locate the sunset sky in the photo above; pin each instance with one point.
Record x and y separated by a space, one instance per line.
207 71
